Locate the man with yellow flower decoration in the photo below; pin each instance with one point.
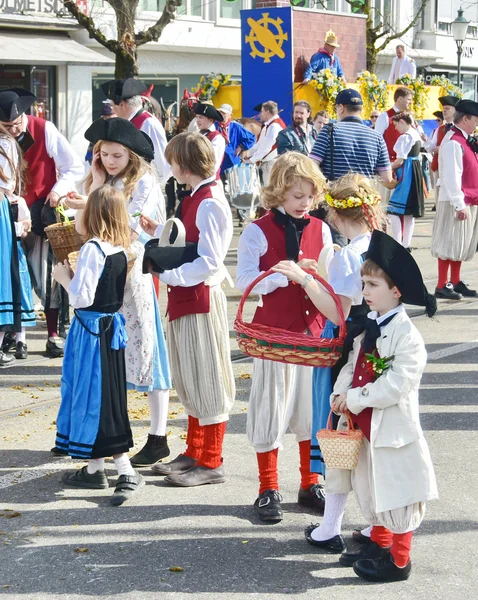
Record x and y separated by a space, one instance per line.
325 58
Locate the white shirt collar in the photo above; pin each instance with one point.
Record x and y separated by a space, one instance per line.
396 109
270 120
208 180
380 319
135 110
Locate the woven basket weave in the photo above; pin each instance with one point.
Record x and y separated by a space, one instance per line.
63 239
272 343
340 449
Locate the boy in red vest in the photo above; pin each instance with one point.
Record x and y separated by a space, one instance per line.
206 117
455 229
198 329
281 394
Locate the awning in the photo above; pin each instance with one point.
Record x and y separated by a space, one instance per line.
33 48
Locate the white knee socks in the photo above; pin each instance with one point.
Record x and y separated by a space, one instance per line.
21 336
2 335
95 464
332 522
402 234
158 401
123 465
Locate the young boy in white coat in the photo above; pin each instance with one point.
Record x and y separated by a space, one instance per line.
394 477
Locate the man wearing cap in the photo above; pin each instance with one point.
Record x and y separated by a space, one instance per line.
126 95
264 151
238 138
301 135
349 146
455 229
52 170
325 58
206 117
402 65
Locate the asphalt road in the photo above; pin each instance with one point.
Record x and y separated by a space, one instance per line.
65 544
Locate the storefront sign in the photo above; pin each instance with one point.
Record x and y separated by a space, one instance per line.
37 6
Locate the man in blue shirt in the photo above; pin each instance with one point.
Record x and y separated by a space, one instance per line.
238 138
356 147
325 58
301 135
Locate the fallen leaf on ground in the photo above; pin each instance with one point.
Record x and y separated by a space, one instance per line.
176 569
12 515
245 541
81 550
244 376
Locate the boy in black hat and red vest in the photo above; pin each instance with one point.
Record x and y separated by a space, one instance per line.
53 168
126 95
379 386
206 117
455 229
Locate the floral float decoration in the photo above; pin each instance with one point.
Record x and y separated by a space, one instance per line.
208 86
447 88
373 92
327 85
420 94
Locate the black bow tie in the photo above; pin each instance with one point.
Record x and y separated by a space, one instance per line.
473 143
293 232
448 126
372 332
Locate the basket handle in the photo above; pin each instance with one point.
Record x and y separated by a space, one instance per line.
180 240
350 423
318 278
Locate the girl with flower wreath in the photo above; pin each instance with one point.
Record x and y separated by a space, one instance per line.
355 211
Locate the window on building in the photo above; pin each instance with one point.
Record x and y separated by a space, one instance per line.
153 5
192 8
230 10
444 27
472 31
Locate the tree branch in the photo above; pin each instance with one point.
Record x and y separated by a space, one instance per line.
89 25
399 34
153 33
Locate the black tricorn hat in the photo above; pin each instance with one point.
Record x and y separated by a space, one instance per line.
400 266
14 102
122 132
438 114
258 107
208 110
467 107
122 89
448 100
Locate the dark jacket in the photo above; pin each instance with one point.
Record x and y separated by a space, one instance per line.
293 138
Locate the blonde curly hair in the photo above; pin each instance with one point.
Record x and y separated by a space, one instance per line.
287 170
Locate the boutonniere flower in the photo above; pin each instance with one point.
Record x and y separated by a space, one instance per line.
378 364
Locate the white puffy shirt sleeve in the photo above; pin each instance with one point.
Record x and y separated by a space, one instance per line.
344 274
382 124
68 164
403 145
82 288
154 128
147 198
451 170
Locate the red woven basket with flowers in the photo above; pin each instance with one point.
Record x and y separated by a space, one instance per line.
273 343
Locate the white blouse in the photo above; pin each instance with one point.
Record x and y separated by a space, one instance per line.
405 143
252 246
91 262
344 269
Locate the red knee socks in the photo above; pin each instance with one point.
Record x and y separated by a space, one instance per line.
455 271
52 321
194 439
211 455
400 550
307 479
268 475
381 536
443 266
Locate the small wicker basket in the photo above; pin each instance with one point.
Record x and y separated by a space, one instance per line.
272 343
340 448
63 239
73 260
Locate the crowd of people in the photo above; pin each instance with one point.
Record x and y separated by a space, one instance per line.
355 179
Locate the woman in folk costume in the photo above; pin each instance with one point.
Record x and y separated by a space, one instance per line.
354 209
281 393
379 385
93 422
198 330
121 158
407 199
15 285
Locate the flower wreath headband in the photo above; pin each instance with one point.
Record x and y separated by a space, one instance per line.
352 201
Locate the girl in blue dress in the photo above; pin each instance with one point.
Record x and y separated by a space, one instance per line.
93 422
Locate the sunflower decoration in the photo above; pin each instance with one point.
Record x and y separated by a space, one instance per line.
327 85
208 85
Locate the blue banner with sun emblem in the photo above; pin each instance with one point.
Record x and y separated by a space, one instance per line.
267 59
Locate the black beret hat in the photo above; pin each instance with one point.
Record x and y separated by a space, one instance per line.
400 266
467 107
122 89
14 102
448 100
208 110
122 132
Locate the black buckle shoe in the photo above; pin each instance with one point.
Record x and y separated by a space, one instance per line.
21 351
6 359
83 479
8 342
267 506
126 487
464 290
55 347
335 544
359 537
382 570
313 497
369 550
447 292
155 449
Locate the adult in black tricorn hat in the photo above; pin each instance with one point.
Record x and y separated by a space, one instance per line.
52 170
448 104
455 229
206 116
127 97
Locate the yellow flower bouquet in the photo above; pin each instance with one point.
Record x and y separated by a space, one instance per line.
327 85
209 85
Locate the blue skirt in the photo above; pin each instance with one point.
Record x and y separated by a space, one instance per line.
408 197
28 314
10 289
93 418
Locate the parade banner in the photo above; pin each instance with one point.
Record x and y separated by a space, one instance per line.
267 59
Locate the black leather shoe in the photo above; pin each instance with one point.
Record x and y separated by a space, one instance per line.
126 487
382 570
447 292
180 464
368 550
21 351
335 544
359 537
55 347
464 290
267 506
83 479
8 342
155 449
198 475
6 359
313 497
58 451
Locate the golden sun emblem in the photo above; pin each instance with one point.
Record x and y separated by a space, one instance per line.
262 35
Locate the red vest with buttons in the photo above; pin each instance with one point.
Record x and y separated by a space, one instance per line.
441 133
138 120
469 178
391 135
289 308
41 167
210 136
193 300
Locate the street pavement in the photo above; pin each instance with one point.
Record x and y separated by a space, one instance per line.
205 543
